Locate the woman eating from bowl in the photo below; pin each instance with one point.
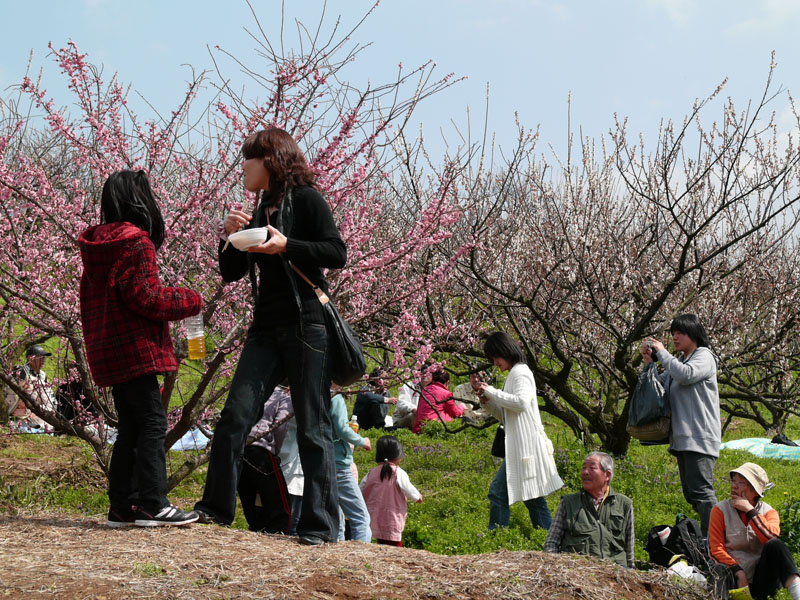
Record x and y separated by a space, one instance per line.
287 338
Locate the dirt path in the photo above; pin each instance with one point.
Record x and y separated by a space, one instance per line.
52 556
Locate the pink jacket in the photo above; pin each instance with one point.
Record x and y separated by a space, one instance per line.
386 502
439 402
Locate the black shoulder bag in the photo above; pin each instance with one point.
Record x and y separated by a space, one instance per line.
346 363
649 415
499 443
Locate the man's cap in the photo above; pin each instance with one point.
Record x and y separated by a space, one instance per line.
37 350
755 475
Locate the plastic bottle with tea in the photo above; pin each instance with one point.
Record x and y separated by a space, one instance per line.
195 335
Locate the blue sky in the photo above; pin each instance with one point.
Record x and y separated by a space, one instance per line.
645 59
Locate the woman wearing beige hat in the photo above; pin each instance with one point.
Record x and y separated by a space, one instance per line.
743 540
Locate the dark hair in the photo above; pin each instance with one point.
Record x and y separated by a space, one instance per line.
441 376
501 345
283 160
690 325
387 449
127 196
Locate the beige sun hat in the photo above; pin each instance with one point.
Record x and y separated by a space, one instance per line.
755 476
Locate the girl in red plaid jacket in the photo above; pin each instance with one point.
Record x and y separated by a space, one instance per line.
125 313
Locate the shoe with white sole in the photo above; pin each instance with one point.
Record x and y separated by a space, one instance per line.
169 515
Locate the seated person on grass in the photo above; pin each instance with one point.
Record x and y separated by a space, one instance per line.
262 487
372 402
596 521
405 413
436 402
467 396
743 538
32 377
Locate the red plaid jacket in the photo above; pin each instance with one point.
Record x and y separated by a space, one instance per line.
125 311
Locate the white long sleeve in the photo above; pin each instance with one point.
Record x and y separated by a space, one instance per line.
518 392
407 399
404 483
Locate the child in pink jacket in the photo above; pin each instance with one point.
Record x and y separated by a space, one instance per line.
385 489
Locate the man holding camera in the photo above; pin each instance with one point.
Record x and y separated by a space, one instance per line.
34 379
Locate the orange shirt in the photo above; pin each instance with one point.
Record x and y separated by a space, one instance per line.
766 527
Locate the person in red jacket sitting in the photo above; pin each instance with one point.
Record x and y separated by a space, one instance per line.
125 313
436 401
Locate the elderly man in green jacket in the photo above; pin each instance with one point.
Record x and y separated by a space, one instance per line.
596 521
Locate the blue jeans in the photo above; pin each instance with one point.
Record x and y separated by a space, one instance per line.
138 470
353 506
499 512
269 355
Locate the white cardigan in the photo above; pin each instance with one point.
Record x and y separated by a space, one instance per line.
530 469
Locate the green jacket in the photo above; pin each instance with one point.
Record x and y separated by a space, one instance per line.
593 534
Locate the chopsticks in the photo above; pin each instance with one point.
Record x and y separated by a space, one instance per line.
228 241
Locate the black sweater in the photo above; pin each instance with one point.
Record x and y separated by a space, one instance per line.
313 243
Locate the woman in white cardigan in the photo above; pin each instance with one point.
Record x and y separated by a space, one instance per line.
528 472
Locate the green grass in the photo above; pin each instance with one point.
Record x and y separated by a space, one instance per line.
149 569
453 473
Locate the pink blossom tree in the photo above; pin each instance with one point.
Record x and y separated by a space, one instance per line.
391 212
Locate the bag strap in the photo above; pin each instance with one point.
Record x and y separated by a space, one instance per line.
286 213
321 296
251 259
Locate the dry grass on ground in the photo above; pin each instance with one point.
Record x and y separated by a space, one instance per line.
51 556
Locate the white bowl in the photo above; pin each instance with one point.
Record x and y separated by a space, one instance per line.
247 238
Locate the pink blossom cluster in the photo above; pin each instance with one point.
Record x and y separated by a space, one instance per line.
54 163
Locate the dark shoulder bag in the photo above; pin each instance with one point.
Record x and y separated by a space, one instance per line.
346 363
499 443
648 415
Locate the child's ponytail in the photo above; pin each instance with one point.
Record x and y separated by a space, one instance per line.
386 470
387 450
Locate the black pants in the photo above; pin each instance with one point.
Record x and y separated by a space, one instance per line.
371 410
138 470
774 567
262 490
269 356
